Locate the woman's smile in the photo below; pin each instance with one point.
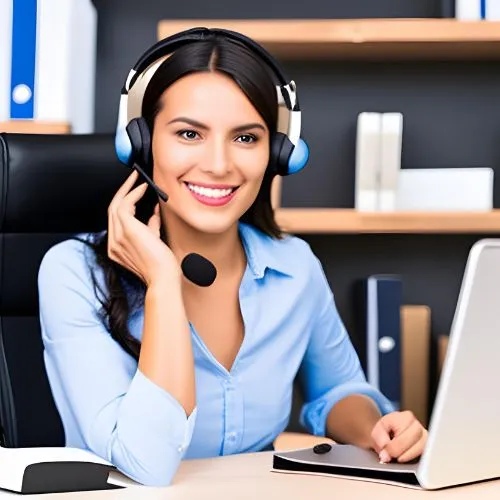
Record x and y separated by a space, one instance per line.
214 195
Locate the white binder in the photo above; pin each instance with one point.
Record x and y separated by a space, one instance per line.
367 169
477 10
470 10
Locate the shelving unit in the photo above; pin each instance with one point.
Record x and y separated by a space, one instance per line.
34 127
362 39
350 221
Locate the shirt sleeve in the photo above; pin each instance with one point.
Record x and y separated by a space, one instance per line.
121 415
331 369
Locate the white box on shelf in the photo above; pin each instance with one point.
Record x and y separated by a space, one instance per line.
445 189
47 61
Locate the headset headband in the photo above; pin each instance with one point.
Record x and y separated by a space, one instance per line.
286 89
177 40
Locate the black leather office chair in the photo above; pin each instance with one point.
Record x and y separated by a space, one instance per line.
51 187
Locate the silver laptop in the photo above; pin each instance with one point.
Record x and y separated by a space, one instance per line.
464 431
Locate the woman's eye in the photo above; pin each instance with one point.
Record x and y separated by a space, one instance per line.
188 134
247 138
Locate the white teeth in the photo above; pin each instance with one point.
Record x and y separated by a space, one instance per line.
211 193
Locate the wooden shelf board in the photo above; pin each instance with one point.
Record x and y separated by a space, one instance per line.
34 127
350 39
332 220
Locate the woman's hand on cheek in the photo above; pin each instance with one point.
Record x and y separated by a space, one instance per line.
400 436
135 245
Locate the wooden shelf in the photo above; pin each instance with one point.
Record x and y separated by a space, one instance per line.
34 127
343 221
362 39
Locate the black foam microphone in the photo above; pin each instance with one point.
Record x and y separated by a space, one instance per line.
198 269
195 268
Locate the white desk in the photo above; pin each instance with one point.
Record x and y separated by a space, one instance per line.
248 476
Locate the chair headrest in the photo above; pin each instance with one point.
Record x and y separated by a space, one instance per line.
57 183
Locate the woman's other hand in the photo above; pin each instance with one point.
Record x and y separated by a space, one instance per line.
400 436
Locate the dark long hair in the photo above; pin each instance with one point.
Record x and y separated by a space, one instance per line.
252 75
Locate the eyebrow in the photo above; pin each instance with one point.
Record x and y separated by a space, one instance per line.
198 124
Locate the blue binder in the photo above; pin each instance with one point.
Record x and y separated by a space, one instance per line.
379 310
23 67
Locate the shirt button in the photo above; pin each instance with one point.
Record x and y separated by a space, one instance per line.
232 436
180 449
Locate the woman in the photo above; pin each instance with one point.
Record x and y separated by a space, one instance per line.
147 368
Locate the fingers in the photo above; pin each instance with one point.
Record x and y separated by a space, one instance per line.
135 195
127 185
388 426
124 189
404 441
125 199
121 208
398 435
416 450
122 204
127 204
154 222
380 436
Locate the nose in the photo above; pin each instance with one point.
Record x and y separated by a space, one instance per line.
217 158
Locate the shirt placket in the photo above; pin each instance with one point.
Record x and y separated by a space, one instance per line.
233 416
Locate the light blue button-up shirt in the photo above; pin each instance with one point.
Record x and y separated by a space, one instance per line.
111 408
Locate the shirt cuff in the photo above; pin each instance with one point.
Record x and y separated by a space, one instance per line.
314 414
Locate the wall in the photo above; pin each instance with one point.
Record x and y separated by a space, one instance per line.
128 27
451 119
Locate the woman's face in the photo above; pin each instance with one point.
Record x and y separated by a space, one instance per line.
210 149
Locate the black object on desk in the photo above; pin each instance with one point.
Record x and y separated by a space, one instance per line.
54 470
63 477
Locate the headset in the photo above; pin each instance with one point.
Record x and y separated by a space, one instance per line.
289 153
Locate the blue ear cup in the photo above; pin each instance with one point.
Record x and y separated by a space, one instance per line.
140 141
285 158
133 143
298 158
123 146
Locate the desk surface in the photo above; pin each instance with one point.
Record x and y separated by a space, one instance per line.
248 476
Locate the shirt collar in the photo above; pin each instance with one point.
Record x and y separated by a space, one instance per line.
264 252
